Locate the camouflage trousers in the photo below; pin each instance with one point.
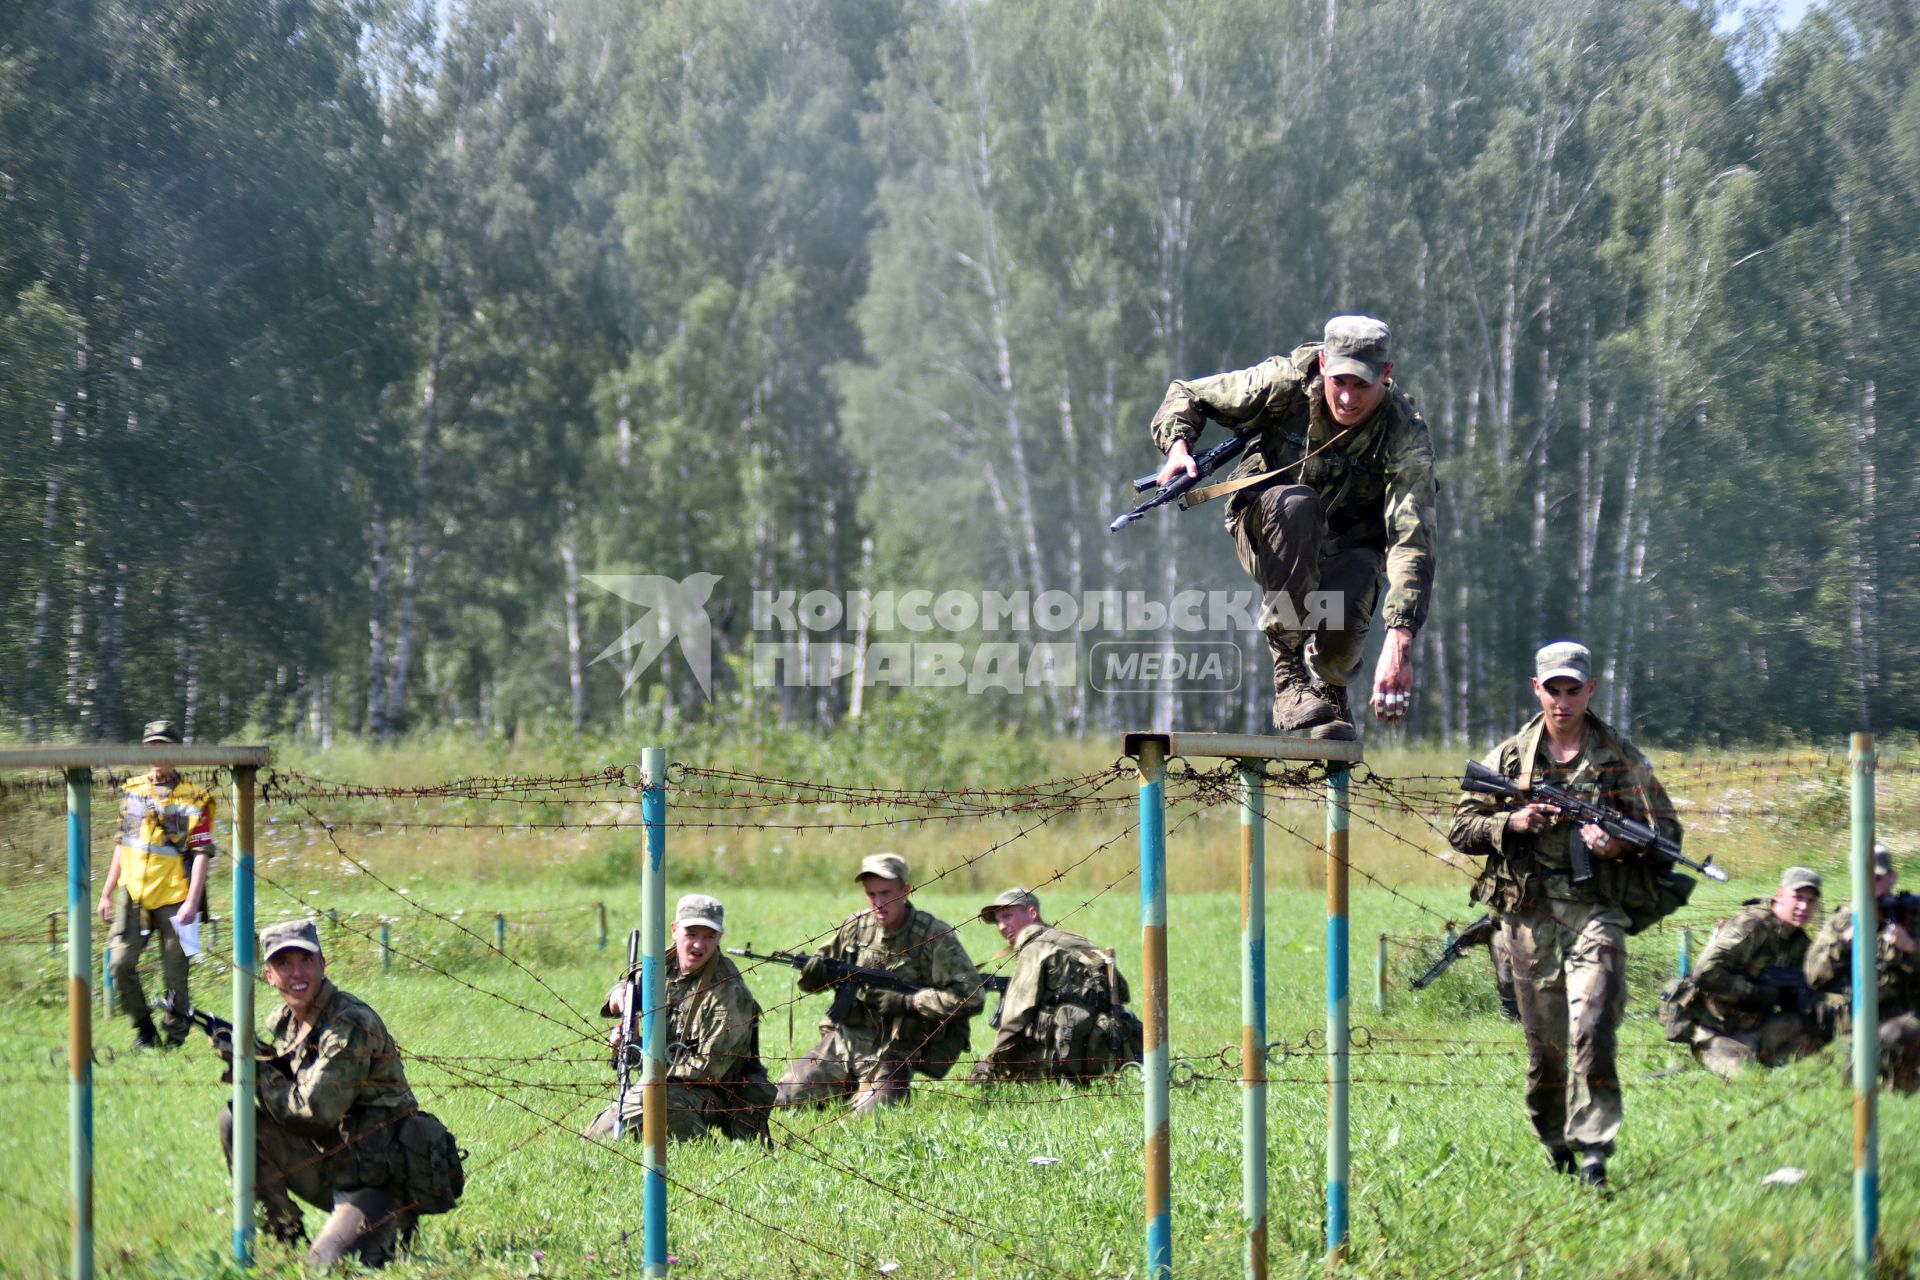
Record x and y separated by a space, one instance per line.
1282 540
843 1065
1570 980
1780 1039
132 926
692 1112
372 1222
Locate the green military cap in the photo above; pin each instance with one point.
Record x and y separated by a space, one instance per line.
160 731
1794 879
698 908
1014 897
1563 658
299 935
888 866
1356 346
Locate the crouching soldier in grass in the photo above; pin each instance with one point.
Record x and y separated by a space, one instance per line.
1748 1000
715 1080
873 1039
335 1123
1829 968
1063 1014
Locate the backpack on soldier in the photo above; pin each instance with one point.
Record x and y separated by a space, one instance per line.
433 1163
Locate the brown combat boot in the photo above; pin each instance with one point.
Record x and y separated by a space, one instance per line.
1298 710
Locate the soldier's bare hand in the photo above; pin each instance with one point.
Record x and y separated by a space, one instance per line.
1393 676
106 909
1179 462
1899 938
1529 818
613 1039
1602 844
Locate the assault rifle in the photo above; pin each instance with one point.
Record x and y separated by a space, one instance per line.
218 1030
1902 909
1478 934
1479 778
847 977
1791 992
628 1053
1206 462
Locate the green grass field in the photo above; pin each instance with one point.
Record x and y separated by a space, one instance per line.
1447 1181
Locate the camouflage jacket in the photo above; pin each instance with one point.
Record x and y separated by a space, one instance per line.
1376 482
712 1022
339 1073
924 951
1524 869
1829 966
1746 943
1052 967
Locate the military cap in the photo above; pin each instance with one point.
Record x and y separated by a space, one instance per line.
698 908
1563 658
1014 897
1793 879
888 866
296 934
1355 346
1883 860
160 731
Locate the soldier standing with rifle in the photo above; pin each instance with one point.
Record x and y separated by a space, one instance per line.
1335 492
874 1039
1566 933
715 1080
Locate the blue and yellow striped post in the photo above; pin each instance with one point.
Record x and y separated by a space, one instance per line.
1866 1015
1153 968
653 1022
246 962
1337 1013
80 1015
1253 1014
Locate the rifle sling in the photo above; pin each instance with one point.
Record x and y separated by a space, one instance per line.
1195 497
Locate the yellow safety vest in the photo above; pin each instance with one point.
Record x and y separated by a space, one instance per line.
160 826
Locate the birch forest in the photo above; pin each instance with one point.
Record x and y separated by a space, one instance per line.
344 343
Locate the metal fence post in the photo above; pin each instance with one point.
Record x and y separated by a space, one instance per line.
600 911
1866 1015
1153 968
653 1028
1380 974
386 947
1337 1013
245 963
1253 1014
1686 953
500 932
80 1015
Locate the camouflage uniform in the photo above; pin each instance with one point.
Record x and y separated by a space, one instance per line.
871 1057
1053 1019
329 1103
1360 507
715 1081
1737 1021
1829 967
1567 941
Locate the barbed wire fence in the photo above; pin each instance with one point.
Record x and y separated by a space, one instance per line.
554 1084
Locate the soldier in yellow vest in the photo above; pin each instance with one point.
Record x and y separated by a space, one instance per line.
157 880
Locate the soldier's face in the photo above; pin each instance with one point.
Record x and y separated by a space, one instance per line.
1564 701
1011 920
1351 400
887 899
296 974
695 944
1794 907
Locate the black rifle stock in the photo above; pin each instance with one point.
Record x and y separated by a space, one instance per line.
218 1030
1642 835
628 1054
1478 934
1205 464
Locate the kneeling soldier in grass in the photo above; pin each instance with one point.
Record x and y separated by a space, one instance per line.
1748 1001
715 1080
874 1039
1829 968
1062 1016
332 1098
